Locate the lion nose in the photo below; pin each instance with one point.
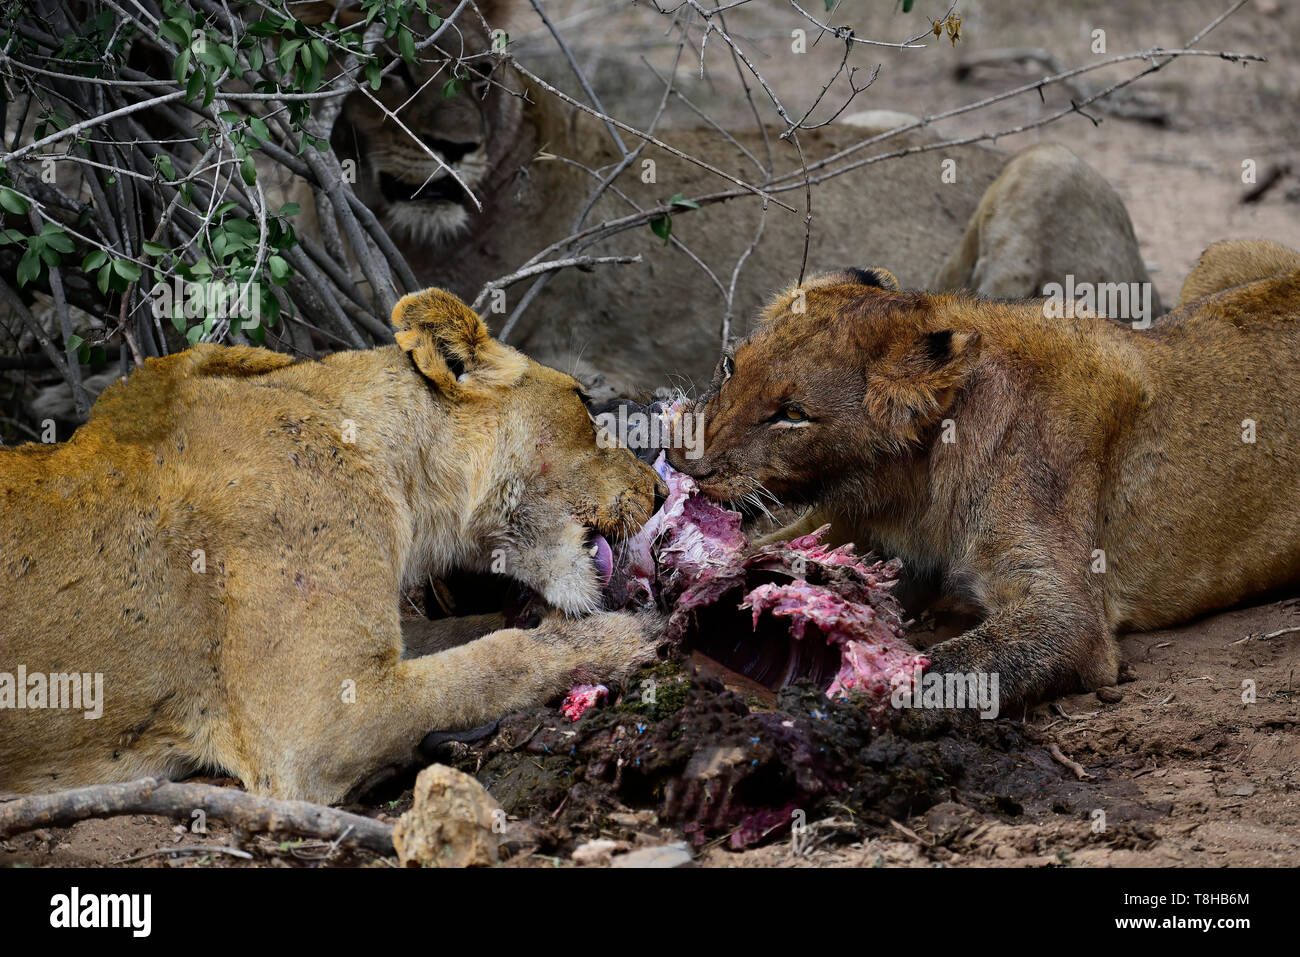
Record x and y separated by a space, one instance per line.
451 151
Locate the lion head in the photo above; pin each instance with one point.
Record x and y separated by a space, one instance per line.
463 103
841 375
544 492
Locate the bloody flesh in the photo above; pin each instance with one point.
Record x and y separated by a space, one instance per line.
692 558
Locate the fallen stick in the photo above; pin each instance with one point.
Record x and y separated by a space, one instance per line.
1270 635
1055 751
251 812
183 849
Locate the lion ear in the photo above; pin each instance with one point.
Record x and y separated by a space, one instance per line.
921 384
880 278
945 353
449 343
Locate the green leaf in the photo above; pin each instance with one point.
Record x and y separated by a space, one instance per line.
105 274
270 308
315 75
677 200
280 270
126 269
194 334
74 343
58 239
374 74
907 6
290 209
450 88
406 45
154 249
248 170
195 84
12 202
662 226
177 31
256 57
94 259
29 267
181 65
259 128
287 51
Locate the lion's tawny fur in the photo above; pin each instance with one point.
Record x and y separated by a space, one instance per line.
1074 477
226 540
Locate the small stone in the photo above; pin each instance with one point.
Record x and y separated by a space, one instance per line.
453 822
1004 851
1110 695
665 855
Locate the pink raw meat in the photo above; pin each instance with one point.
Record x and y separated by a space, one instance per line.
692 553
581 698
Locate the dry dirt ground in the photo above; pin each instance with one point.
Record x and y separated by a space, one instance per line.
1181 772
1186 773
1187 768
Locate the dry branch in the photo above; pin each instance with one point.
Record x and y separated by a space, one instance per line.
179 801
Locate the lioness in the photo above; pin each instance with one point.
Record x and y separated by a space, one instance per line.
226 539
1071 476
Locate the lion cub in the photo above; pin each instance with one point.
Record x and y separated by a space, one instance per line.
223 545
1072 476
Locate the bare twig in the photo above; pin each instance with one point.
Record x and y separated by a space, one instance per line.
250 812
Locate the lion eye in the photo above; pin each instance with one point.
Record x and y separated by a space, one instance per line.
790 414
